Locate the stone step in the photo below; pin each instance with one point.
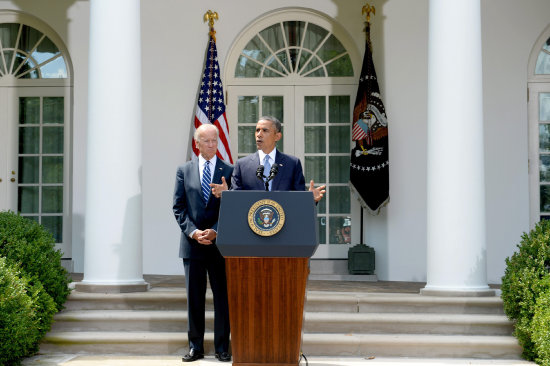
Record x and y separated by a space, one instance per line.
316 301
401 303
318 344
315 322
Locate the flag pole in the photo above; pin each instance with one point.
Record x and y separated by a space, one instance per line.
368 9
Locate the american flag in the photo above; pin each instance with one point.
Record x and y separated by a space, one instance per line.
210 104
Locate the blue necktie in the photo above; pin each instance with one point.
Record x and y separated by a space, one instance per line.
267 167
206 179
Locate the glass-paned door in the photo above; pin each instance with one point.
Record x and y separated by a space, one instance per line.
248 104
323 142
37 167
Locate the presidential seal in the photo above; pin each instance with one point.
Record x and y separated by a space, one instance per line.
266 217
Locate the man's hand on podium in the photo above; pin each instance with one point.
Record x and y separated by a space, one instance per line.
217 189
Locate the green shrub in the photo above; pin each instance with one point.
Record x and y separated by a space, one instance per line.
29 246
19 323
525 278
541 329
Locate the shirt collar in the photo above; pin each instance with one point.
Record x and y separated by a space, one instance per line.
202 161
272 155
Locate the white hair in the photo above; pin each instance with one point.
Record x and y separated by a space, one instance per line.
202 128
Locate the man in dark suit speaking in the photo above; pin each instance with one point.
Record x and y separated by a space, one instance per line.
196 211
287 174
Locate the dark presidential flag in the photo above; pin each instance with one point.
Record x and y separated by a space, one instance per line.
369 170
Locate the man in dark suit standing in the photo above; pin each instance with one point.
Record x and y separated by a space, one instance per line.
196 211
290 176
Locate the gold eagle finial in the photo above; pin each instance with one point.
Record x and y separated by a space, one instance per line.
368 9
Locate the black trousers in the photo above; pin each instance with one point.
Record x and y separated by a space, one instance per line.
196 272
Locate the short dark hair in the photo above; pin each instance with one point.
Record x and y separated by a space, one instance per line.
276 123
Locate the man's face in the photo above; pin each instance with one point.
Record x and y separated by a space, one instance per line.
208 143
266 136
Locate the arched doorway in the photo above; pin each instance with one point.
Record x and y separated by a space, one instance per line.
300 66
35 124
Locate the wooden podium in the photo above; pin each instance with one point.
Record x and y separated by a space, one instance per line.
266 273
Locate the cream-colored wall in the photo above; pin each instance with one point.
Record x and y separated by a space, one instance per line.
174 39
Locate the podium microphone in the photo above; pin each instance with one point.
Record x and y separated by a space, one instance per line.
260 172
273 171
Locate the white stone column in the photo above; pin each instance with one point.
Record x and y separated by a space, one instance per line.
113 222
455 183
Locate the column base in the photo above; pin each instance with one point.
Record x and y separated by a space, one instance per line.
111 288
453 292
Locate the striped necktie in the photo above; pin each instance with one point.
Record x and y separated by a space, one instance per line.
206 179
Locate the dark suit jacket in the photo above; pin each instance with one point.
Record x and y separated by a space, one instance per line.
289 178
189 208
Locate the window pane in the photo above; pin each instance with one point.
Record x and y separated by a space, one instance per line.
273 106
247 139
53 110
54 224
322 205
28 169
339 139
256 49
322 220
248 109
29 110
340 67
315 139
247 68
55 69
27 199
545 198
544 107
543 63
52 169
338 169
29 140
276 65
315 169
339 199
28 64
544 138
315 109
294 32
272 74
339 109
29 38
52 199
331 48
283 57
319 73
273 37
52 140
8 34
314 36
340 230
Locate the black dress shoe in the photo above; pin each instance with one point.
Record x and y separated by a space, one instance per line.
193 355
223 357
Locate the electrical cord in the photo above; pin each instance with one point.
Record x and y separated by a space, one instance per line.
304 357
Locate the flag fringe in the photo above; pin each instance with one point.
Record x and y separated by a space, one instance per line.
364 204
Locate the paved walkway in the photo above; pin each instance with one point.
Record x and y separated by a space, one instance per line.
121 360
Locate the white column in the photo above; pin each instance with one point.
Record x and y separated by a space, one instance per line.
113 238
455 183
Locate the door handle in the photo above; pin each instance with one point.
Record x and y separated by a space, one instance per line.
12 179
